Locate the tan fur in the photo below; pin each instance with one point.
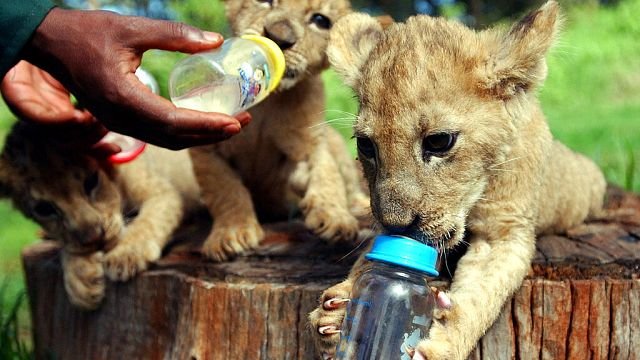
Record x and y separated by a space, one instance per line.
286 160
504 180
38 175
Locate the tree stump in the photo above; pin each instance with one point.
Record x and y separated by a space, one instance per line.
581 299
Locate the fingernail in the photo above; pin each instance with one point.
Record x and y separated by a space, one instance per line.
244 118
328 330
79 114
231 129
442 300
334 303
211 36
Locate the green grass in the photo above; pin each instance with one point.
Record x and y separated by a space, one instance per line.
15 232
591 99
13 345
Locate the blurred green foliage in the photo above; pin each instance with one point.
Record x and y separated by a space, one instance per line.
205 15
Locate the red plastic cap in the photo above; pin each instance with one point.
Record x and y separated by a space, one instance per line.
130 147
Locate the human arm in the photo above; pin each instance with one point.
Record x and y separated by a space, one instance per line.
18 21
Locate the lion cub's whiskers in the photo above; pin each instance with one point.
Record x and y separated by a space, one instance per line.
340 122
340 119
496 167
358 245
344 121
443 255
339 112
503 170
506 161
464 242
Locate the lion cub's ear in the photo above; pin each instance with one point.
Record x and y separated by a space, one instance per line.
519 63
351 40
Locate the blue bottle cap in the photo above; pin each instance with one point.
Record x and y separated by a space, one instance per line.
404 251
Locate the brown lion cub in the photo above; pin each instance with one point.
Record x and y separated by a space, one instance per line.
455 146
283 162
83 203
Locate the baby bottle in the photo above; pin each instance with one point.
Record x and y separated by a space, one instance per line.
391 303
229 79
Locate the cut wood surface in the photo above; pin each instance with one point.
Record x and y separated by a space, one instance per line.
581 299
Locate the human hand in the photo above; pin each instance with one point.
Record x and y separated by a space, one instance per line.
34 95
94 54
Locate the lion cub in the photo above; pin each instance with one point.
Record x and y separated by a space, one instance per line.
83 204
283 162
455 146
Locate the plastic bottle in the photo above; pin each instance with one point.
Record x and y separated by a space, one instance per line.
391 303
229 79
148 80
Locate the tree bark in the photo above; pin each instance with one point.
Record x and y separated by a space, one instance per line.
581 299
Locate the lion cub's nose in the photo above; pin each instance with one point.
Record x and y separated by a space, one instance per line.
281 33
92 235
400 225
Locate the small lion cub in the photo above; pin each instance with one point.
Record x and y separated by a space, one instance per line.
455 147
83 204
286 161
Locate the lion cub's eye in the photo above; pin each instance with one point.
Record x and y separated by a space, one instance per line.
438 144
321 21
366 147
91 183
45 210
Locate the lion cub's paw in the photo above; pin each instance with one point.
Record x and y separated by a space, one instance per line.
129 258
326 319
444 342
330 222
225 242
360 205
439 346
84 280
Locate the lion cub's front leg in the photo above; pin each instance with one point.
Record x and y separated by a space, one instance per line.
486 276
235 224
83 278
161 210
324 205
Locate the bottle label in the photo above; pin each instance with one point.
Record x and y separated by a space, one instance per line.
253 83
366 322
412 338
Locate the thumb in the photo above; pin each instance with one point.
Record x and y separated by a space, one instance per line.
173 36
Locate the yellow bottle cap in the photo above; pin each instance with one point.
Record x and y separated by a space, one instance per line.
275 55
